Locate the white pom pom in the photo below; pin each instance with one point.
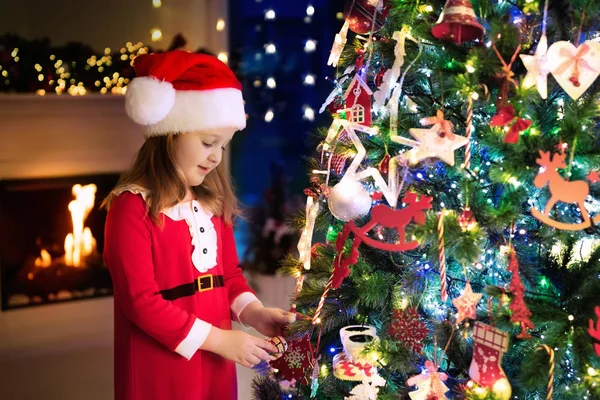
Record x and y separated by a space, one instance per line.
149 100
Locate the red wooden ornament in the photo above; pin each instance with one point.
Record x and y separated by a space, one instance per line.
358 101
382 215
342 262
458 22
359 14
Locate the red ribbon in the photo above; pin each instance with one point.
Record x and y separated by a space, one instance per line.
505 117
576 58
447 126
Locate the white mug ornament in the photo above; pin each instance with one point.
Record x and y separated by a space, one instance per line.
574 68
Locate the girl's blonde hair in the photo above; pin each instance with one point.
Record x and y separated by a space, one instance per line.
154 169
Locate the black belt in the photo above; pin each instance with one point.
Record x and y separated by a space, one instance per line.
200 284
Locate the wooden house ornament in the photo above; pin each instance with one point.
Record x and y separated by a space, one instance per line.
358 101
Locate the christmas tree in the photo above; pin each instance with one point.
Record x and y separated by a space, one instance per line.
457 188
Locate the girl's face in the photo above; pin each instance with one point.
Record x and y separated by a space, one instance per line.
198 153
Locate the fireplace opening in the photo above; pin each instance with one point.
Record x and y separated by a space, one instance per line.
51 240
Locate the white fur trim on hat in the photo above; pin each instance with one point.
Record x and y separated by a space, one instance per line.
149 100
202 110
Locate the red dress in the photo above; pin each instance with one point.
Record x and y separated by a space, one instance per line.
157 341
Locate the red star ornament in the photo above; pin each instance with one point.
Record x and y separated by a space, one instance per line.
466 304
593 177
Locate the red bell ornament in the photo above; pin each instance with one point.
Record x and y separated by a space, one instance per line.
359 14
458 22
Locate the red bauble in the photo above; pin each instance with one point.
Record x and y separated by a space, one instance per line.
379 77
384 165
466 220
408 327
335 106
359 13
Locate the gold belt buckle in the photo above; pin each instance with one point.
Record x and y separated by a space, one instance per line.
205 282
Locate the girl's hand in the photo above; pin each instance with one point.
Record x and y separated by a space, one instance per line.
268 321
238 347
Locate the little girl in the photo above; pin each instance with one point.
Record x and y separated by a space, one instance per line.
169 240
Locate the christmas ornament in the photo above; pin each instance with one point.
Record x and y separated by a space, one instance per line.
595 331
561 190
574 68
364 15
490 345
342 262
360 60
442 256
384 216
316 189
458 23
512 125
538 68
551 372
358 101
352 365
429 383
466 304
338 45
520 311
367 390
349 200
384 164
391 75
435 142
466 220
296 360
281 345
390 188
378 80
305 242
408 327
506 76
593 177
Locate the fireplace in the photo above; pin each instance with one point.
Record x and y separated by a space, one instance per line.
51 240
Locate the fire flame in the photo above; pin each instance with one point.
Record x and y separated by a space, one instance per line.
80 243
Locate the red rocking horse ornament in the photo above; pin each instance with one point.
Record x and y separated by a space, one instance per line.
384 216
561 190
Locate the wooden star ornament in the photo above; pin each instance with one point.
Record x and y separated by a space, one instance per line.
434 143
537 68
466 304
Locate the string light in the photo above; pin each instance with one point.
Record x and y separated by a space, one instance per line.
220 24
309 80
271 84
310 10
270 14
156 3
270 48
269 115
223 57
309 113
156 35
310 46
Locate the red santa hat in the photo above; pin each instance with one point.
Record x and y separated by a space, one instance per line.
178 92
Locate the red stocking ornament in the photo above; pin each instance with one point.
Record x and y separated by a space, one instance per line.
490 345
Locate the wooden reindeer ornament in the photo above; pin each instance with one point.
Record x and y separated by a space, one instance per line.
561 190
